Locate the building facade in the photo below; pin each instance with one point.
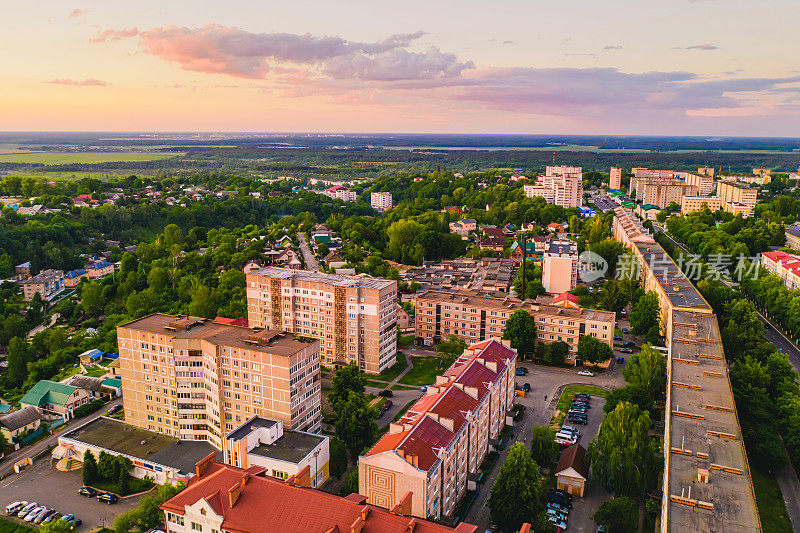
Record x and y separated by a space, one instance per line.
381 200
696 203
706 186
196 379
48 283
353 317
442 439
737 193
560 267
340 192
793 236
615 178
661 192
534 190
476 317
786 266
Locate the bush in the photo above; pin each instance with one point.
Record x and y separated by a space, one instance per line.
351 484
89 408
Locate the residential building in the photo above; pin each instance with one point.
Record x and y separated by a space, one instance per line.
534 248
735 192
493 238
706 171
793 236
264 443
786 266
223 498
696 203
463 227
20 421
628 229
762 171
22 271
48 283
538 189
567 185
487 274
706 186
615 178
195 379
73 277
587 212
661 192
475 317
340 192
560 266
647 211
381 200
55 400
737 208
100 269
571 471
643 172
353 317
440 442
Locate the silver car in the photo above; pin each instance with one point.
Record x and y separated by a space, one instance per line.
32 513
44 514
27 509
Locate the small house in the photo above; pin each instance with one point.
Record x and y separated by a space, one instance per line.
571 472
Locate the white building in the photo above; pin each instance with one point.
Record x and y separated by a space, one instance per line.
381 200
340 192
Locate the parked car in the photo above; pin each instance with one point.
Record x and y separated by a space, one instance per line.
39 519
67 517
33 513
557 507
526 387
585 373
386 393
115 409
89 492
13 508
559 492
26 509
620 360
629 344
108 498
578 420
624 330
581 396
560 500
570 429
617 337
625 350
75 523
52 517
557 523
522 371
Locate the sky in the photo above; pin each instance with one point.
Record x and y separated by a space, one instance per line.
618 67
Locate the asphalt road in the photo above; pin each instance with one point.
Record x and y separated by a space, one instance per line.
603 203
308 256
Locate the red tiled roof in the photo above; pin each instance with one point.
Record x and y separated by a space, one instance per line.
777 255
268 505
565 297
425 441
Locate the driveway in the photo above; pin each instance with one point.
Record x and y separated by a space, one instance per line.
44 484
308 257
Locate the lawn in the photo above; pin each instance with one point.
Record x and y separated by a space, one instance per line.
403 341
393 371
68 158
402 387
7 526
771 507
566 398
424 372
378 384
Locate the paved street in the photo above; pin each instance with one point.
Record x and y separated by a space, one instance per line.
308 256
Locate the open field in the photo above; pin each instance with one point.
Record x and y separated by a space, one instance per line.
69 158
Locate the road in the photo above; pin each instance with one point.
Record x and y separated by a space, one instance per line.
308 256
29 451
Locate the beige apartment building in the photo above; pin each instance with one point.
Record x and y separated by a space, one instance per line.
696 203
48 283
706 186
644 172
532 191
706 171
196 379
615 178
353 317
737 193
661 192
566 183
475 317
441 440
560 267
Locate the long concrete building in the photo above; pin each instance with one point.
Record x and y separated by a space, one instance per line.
195 379
476 317
707 484
442 439
353 317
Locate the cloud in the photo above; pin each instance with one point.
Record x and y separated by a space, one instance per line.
705 46
75 13
88 82
612 47
114 35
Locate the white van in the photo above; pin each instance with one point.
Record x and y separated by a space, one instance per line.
12 508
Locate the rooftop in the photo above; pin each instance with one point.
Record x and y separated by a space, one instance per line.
739 185
292 446
793 230
48 392
43 276
245 429
20 418
682 293
318 277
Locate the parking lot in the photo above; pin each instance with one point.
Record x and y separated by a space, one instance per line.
59 490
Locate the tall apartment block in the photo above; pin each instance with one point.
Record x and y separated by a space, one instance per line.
566 183
615 178
353 317
381 200
434 448
195 379
705 183
560 267
475 317
737 193
660 191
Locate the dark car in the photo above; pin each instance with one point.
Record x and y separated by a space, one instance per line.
89 492
108 498
386 393
617 337
624 330
75 523
115 409
629 344
526 387
522 371
388 404
620 360
625 350
560 492
582 420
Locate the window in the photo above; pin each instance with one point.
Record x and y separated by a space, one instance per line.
196 526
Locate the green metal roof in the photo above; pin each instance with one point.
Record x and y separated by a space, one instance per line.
4 408
113 382
648 207
48 392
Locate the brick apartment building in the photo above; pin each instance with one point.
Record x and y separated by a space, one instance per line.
737 193
560 266
705 183
615 178
48 283
196 379
353 317
443 438
475 317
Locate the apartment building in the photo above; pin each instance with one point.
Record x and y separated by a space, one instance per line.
661 192
441 440
48 283
196 379
706 186
560 266
100 269
706 171
340 192
463 227
737 193
475 317
792 233
224 498
566 183
696 203
628 229
353 317
644 172
538 189
615 178
381 200
787 266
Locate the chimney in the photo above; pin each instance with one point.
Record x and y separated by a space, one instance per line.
234 493
411 525
526 528
357 526
395 428
300 479
202 465
364 513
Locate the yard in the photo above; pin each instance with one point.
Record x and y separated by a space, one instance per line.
393 371
424 372
771 507
566 399
7 526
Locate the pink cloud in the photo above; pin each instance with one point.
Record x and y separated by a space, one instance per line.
114 35
75 13
88 82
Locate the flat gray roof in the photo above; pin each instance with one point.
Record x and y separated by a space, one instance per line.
792 230
246 428
681 291
293 446
700 387
318 277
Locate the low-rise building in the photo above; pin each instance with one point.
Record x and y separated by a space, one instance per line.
738 209
340 192
560 267
691 204
282 453
441 440
647 211
463 227
48 283
73 277
20 421
100 269
571 471
792 236
381 200
22 271
55 400
786 266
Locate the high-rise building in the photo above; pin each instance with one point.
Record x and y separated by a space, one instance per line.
381 200
195 379
661 192
737 193
706 171
560 266
353 317
566 183
705 183
615 178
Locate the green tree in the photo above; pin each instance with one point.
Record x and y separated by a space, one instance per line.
451 349
89 468
533 281
56 526
620 515
592 350
644 317
19 355
556 352
351 484
107 467
128 263
611 298
338 453
544 448
3 444
647 370
346 380
622 452
92 298
355 423
516 494
521 331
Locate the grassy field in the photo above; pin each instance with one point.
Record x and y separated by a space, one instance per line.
566 398
424 372
393 371
771 508
7 526
68 158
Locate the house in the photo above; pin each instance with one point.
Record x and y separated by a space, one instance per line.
571 472
97 386
555 228
567 300
20 421
48 283
91 357
463 227
22 271
340 192
73 277
252 265
284 241
334 257
403 320
100 269
494 238
55 400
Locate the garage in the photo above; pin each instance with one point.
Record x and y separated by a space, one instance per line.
571 472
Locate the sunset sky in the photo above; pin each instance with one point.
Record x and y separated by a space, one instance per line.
672 67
